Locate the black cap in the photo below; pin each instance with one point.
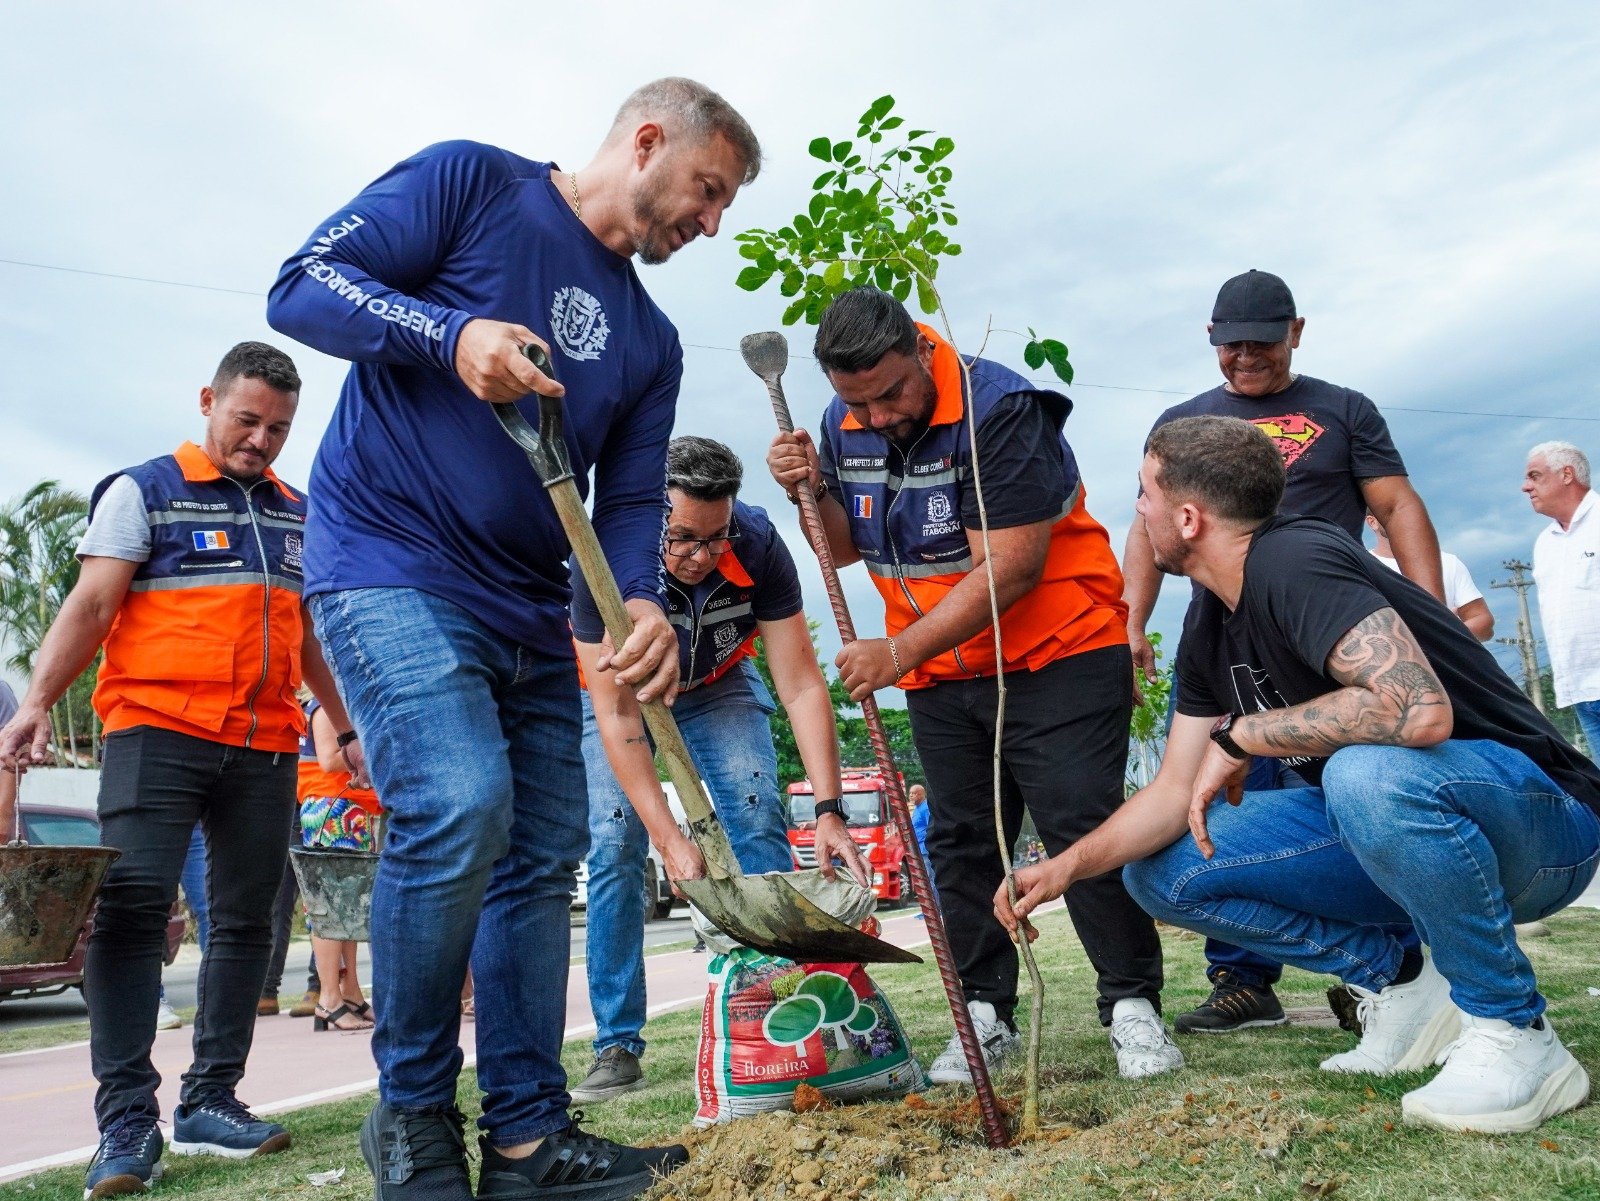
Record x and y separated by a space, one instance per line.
1254 307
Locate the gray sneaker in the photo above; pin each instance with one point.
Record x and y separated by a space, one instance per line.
615 1072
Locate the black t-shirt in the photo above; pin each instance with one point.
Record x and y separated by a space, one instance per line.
1331 438
1305 585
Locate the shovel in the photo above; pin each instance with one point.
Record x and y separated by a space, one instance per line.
777 913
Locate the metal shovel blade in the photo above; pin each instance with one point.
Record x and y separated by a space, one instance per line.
767 354
770 913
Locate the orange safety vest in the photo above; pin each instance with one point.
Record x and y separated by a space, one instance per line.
911 534
207 639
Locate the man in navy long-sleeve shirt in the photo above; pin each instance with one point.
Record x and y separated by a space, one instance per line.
435 571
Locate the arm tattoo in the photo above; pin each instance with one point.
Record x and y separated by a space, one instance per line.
637 738
1390 696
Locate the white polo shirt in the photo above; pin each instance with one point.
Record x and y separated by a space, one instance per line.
1566 567
1459 590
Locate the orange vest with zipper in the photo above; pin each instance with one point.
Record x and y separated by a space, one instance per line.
207 639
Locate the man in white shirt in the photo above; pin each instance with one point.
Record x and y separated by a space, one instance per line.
1461 595
1566 567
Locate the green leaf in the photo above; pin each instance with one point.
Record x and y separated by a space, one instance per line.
841 151
943 147
795 310
917 133
753 277
822 181
882 277
1033 355
952 250
892 123
880 107
926 296
1056 353
821 148
833 275
793 280
818 206
834 992
902 289
750 250
863 1021
793 1021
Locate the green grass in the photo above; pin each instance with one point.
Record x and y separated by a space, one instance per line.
1345 1138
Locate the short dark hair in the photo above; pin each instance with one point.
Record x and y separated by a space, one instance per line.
1227 464
703 469
696 108
257 360
859 328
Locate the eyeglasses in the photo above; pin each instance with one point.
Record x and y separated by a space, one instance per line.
684 548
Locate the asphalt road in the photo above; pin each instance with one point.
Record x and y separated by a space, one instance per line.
179 978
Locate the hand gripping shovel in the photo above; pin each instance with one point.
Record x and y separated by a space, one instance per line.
767 355
780 913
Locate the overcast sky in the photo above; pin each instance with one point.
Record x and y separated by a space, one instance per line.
1424 176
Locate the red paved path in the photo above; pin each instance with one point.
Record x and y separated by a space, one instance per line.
46 1096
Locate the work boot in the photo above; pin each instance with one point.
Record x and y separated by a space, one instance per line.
1498 1079
1403 1027
573 1163
306 1005
221 1125
1143 1046
615 1072
127 1160
996 1036
267 1007
417 1156
1232 1005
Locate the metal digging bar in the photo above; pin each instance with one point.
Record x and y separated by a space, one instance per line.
767 354
779 913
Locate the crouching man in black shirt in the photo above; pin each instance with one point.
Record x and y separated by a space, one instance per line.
1439 795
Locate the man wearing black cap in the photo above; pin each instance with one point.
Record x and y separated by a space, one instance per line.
1340 462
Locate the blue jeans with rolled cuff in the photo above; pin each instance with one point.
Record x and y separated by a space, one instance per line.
1461 840
730 740
473 742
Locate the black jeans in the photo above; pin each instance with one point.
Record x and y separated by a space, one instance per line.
154 786
1064 755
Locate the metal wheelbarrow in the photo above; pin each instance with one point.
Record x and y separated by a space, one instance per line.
777 912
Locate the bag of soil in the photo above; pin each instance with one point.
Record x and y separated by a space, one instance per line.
770 1025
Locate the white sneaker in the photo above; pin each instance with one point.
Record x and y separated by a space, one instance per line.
998 1040
1403 1027
1143 1046
167 1017
1498 1079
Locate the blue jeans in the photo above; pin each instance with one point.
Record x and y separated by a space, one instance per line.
1462 839
725 726
193 882
473 744
1588 715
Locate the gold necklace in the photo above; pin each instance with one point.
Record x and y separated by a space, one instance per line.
577 204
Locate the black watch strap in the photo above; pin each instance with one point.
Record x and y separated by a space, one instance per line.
1221 735
835 807
347 738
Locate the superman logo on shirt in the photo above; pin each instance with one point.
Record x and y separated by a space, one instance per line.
1293 434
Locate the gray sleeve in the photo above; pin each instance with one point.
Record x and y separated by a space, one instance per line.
120 527
8 705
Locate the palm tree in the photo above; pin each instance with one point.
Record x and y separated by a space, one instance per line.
39 533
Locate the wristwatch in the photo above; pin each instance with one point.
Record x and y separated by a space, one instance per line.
1221 736
835 807
346 739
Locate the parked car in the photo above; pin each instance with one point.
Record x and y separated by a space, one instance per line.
63 825
658 898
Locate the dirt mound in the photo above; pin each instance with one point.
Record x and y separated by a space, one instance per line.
937 1148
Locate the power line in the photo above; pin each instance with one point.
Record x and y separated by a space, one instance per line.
177 283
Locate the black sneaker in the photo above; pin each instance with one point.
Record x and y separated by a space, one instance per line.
417 1156
1232 1006
615 1072
127 1160
573 1163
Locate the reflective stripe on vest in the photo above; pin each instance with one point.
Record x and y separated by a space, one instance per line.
207 639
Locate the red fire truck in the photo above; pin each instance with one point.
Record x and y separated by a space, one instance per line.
866 808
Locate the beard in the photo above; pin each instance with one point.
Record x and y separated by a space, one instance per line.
654 245
1170 560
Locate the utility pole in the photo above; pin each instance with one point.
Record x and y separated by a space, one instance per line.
1524 641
